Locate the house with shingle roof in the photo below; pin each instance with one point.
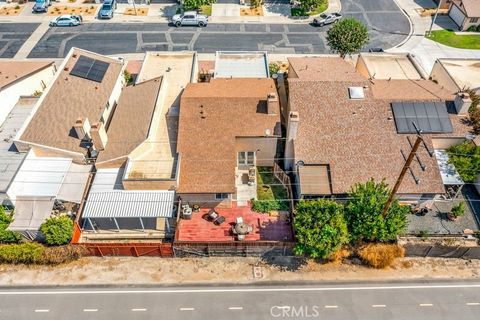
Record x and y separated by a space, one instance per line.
22 78
465 13
344 128
226 128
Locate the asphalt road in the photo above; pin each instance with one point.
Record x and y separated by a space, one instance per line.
387 27
441 300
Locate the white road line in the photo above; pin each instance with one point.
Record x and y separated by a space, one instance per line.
90 310
298 289
473 303
378 306
187 309
426 305
139 309
331 307
42 310
235 308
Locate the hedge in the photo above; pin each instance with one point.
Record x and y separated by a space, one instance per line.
35 253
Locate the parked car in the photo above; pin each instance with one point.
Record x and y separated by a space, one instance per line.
41 6
107 9
68 20
326 18
190 18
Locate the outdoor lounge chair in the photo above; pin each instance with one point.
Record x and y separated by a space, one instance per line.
213 215
219 220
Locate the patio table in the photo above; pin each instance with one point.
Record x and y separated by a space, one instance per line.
242 228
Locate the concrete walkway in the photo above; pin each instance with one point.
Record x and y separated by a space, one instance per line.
32 41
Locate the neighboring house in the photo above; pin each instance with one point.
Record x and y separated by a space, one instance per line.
62 135
133 193
457 74
465 13
72 114
22 78
344 128
444 4
385 66
226 127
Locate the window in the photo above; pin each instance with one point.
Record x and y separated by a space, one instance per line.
473 20
221 196
246 158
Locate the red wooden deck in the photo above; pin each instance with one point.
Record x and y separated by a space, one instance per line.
265 228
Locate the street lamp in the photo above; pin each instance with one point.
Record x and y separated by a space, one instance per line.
434 17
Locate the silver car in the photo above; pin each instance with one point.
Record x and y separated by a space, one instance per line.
68 20
190 18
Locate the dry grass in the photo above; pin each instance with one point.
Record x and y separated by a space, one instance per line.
431 12
380 255
251 12
82 10
140 12
339 256
11 10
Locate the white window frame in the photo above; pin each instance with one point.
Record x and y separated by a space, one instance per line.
221 196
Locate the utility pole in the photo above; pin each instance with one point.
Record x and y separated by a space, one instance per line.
434 17
406 166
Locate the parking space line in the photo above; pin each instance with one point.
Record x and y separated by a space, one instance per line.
426 305
42 310
473 303
187 309
331 307
235 308
90 310
378 306
139 309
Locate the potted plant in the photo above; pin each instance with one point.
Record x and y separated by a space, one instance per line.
457 211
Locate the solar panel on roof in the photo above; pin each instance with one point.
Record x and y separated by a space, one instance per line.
429 117
90 69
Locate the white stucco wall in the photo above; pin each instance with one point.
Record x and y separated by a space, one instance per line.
26 87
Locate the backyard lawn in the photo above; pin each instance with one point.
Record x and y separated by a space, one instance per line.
270 190
449 38
300 12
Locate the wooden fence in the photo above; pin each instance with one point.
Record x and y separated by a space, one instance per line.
284 178
244 248
130 249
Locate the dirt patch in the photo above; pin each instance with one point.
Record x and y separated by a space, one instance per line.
251 12
81 10
13 10
140 12
118 270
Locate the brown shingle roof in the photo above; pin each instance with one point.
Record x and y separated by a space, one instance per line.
11 70
231 108
131 120
69 98
358 138
324 69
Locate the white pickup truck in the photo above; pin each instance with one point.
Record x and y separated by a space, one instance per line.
326 18
190 18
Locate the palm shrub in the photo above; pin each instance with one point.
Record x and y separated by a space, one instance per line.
57 230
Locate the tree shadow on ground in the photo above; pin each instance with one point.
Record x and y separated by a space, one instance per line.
284 263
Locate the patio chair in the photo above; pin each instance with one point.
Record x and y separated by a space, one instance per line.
213 215
250 228
234 232
241 237
238 220
219 220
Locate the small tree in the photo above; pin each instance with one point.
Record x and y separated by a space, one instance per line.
192 4
57 230
466 159
348 36
308 5
363 213
320 228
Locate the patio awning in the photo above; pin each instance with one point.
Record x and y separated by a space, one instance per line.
314 180
30 214
448 172
73 186
129 204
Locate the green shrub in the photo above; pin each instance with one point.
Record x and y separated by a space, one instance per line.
266 206
127 77
57 230
472 29
466 159
5 219
364 217
458 210
273 68
320 228
27 253
7 236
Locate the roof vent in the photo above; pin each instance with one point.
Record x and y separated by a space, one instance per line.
356 93
268 132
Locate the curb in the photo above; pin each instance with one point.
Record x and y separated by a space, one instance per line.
410 34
